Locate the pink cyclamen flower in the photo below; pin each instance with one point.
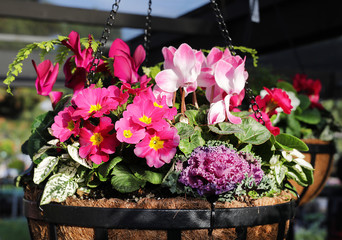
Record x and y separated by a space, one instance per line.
129 132
230 77
64 126
181 69
46 76
93 102
96 142
55 97
125 66
158 147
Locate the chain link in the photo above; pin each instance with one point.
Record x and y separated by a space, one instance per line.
147 32
222 26
104 38
224 31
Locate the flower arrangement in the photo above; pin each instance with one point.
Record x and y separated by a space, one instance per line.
308 118
128 132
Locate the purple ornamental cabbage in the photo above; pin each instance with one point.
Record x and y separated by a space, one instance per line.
215 170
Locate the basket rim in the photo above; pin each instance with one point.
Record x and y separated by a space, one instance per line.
157 219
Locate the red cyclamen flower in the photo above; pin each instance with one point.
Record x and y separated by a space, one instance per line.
308 87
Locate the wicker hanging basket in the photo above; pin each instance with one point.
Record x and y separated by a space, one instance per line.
320 156
150 218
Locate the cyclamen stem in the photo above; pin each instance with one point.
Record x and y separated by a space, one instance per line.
183 107
194 100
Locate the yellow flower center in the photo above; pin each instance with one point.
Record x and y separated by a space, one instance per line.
71 125
95 108
127 133
157 105
156 143
96 139
145 119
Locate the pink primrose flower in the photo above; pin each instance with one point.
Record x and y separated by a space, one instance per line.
95 141
46 76
64 126
125 66
181 71
158 147
116 94
144 113
128 131
55 97
93 102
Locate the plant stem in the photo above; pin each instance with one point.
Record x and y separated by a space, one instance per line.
194 100
183 108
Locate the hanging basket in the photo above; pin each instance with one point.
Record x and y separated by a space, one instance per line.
320 156
150 218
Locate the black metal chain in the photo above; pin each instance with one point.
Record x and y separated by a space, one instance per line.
147 32
224 31
104 38
222 26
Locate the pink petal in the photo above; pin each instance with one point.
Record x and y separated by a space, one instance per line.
223 75
139 56
118 47
216 113
168 54
55 97
184 58
122 68
231 117
167 80
214 56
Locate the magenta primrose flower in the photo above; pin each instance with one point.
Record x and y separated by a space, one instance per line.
126 67
93 102
158 147
46 76
128 131
96 142
64 126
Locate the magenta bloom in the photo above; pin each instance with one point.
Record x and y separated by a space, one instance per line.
77 67
46 76
55 97
158 147
144 113
277 98
129 132
93 102
215 170
64 126
95 141
125 66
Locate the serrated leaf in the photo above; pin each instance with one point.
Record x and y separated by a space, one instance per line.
58 188
44 168
225 128
73 152
184 130
252 132
124 181
291 142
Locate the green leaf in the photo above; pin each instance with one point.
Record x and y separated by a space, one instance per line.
73 152
185 146
192 114
44 168
225 128
105 168
68 168
252 132
309 176
301 178
286 86
303 163
288 141
184 130
124 181
304 101
58 188
310 116
147 175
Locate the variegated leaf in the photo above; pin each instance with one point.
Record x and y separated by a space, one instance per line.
68 168
44 168
73 152
58 188
303 163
